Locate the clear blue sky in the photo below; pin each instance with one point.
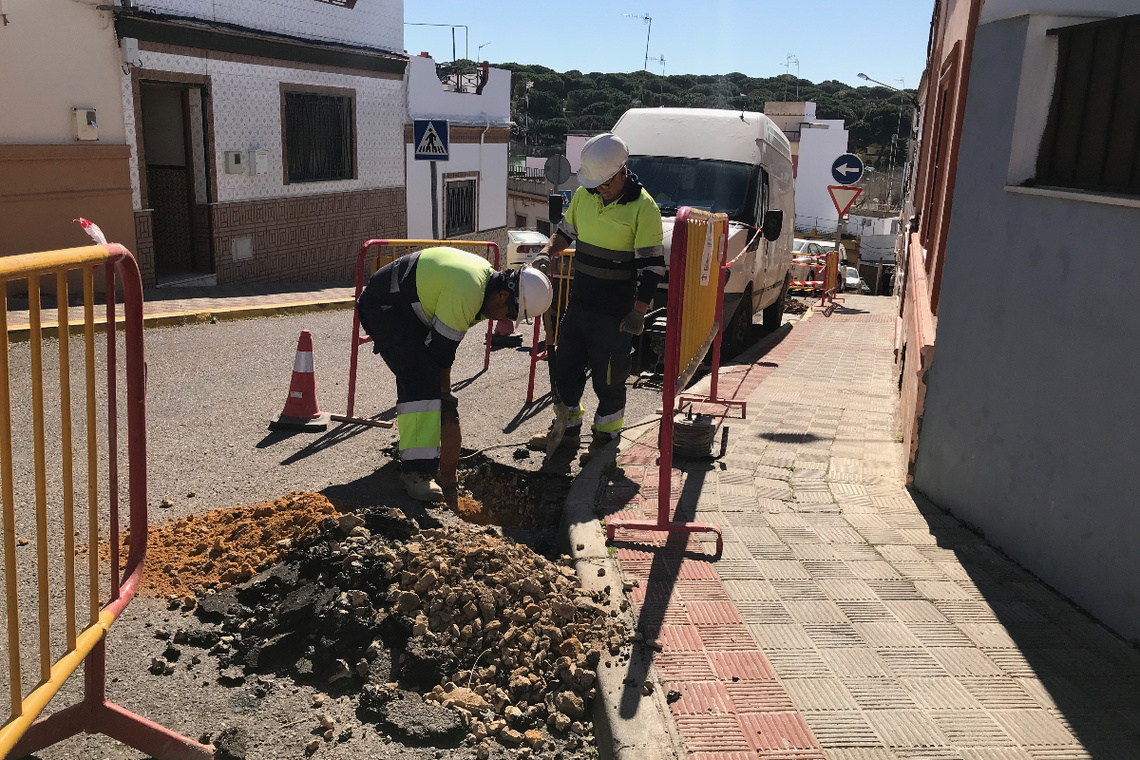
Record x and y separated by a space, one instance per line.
833 39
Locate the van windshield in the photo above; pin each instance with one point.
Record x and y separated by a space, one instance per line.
717 186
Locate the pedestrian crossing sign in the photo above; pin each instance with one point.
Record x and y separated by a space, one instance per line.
430 136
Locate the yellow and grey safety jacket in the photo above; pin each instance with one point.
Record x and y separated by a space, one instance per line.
445 287
619 255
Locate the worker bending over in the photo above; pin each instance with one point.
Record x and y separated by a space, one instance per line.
417 309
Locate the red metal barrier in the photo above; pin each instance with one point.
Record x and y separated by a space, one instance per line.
830 280
21 736
685 266
561 282
492 255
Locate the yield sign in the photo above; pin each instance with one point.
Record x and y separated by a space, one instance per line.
843 196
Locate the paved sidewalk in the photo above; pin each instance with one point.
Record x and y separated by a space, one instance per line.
848 618
201 302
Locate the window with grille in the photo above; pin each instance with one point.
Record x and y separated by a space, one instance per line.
1092 138
459 206
319 137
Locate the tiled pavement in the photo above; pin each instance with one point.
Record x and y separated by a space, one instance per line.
848 618
184 300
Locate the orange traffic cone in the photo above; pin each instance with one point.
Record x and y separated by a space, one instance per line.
301 411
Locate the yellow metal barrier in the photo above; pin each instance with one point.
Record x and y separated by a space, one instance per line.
22 734
706 242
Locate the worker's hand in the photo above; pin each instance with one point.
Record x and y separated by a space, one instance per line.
633 323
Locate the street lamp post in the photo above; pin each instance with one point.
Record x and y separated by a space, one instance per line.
479 50
466 36
898 128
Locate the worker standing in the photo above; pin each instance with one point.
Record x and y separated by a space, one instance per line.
618 263
417 309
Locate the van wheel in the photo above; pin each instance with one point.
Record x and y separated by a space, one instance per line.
774 313
739 328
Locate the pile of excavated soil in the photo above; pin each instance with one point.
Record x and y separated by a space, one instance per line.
794 306
445 636
226 546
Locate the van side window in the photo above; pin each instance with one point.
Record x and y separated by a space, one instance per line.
762 198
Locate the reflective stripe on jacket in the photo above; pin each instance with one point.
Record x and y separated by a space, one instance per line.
445 287
619 253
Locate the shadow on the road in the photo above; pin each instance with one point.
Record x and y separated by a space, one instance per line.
528 412
461 384
328 439
842 310
1090 674
790 437
382 488
664 570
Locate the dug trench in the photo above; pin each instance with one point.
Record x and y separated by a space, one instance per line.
469 638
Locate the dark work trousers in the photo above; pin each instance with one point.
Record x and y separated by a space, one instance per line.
398 336
587 339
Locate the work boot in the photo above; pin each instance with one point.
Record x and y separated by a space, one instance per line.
570 440
598 442
421 486
450 495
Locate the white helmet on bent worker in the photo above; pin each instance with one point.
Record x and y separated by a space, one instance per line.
603 156
534 294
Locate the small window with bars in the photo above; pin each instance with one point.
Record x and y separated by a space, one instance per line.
319 137
1092 138
459 206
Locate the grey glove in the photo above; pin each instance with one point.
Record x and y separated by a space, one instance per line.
633 323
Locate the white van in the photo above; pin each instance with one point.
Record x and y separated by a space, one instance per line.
737 162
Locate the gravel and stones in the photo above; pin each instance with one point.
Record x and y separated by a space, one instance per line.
441 637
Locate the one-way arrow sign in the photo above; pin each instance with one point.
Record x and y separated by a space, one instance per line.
843 196
847 169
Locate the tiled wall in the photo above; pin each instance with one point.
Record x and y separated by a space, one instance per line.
375 23
314 238
144 247
246 103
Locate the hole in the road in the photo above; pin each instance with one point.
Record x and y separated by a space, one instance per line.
493 493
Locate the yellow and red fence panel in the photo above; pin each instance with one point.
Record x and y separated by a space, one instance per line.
387 251
561 273
22 733
697 277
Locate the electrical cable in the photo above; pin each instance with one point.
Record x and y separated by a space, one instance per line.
517 444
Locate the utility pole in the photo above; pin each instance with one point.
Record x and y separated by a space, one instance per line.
649 31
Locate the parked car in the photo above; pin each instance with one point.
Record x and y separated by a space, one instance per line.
864 288
851 280
523 246
736 162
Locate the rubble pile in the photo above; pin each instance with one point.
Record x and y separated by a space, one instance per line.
445 635
794 305
226 546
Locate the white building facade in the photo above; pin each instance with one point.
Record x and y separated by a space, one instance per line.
266 141
816 143
470 187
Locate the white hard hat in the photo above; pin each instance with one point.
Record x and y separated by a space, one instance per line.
535 294
603 156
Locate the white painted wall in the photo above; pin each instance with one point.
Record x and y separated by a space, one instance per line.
372 23
996 10
247 116
574 145
818 150
427 99
56 55
857 224
491 163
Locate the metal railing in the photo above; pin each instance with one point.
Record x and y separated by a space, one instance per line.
22 734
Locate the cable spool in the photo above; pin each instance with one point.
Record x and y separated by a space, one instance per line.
693 435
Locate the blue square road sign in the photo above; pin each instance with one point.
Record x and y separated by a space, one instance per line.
431 138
